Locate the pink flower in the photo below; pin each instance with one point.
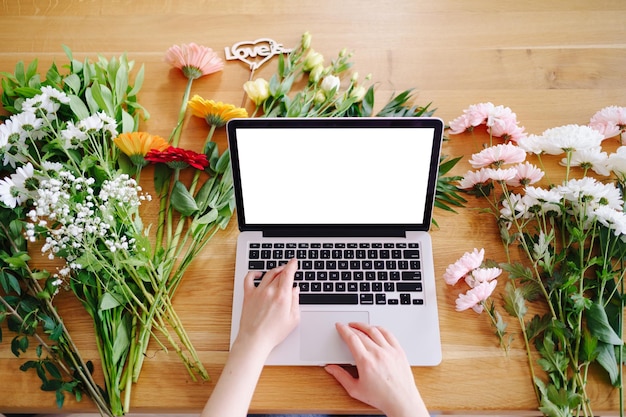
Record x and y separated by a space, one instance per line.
500 121
610 121
194 60
501 174
468 262
508 129
480 275
476 296
497 155
473 178
526 174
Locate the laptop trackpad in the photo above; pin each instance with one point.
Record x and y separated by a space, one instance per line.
319 340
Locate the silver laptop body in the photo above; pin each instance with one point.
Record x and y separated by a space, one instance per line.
352 199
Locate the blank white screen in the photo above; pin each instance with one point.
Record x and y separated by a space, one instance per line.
334 175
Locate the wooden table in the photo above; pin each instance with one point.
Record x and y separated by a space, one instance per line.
553 63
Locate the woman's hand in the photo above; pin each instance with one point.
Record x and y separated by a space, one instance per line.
271 310
385 378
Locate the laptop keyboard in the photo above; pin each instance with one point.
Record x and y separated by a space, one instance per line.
347 273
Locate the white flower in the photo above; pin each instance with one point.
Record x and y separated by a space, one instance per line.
542 200
611 218
501 174
7 193
330 83
616 162
568 138
514 207
592 158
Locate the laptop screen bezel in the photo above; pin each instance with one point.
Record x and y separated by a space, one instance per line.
340 122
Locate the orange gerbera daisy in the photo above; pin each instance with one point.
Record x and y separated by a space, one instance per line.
215 113
137 144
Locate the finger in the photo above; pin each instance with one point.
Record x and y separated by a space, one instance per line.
390 337
347 381
248 281
371 333
287 275
351 339
270 275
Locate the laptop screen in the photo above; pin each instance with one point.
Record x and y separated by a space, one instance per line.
347 172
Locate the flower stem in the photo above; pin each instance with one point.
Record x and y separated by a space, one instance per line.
175 135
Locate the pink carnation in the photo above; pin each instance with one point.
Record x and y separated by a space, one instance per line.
476 296
504 153
468 262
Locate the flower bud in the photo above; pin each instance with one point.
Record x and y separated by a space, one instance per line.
306 41
358 93
316 73
258 90
312 60
330 83
320 97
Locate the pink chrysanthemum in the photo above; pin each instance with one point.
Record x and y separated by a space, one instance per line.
480 275
476 296
468 262
194 60
473 178
504 153
500 121
610 121
526 174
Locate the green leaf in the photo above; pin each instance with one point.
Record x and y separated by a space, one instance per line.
207 218
108 301
598 324
162 174
78 107
121 342
182 200
607 359
52 369
514 302
73 82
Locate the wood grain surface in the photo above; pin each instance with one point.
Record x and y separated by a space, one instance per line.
553 63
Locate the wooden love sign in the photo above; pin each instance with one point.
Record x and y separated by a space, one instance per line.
255 53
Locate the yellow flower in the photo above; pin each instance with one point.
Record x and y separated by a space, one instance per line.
258 90
137 144
215 113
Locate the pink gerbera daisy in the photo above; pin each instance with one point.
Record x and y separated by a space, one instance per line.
194 60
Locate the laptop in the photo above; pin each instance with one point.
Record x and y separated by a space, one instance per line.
352 200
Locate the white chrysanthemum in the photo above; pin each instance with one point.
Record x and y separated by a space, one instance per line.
55 94
542 200
531 144
514 208
592 158
591 193
569 138
613 219
616 162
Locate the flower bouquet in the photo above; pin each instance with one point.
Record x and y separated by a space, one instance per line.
565 244
72 184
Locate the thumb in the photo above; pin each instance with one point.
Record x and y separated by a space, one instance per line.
347 381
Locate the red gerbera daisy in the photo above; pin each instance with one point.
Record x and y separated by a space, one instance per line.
178 158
